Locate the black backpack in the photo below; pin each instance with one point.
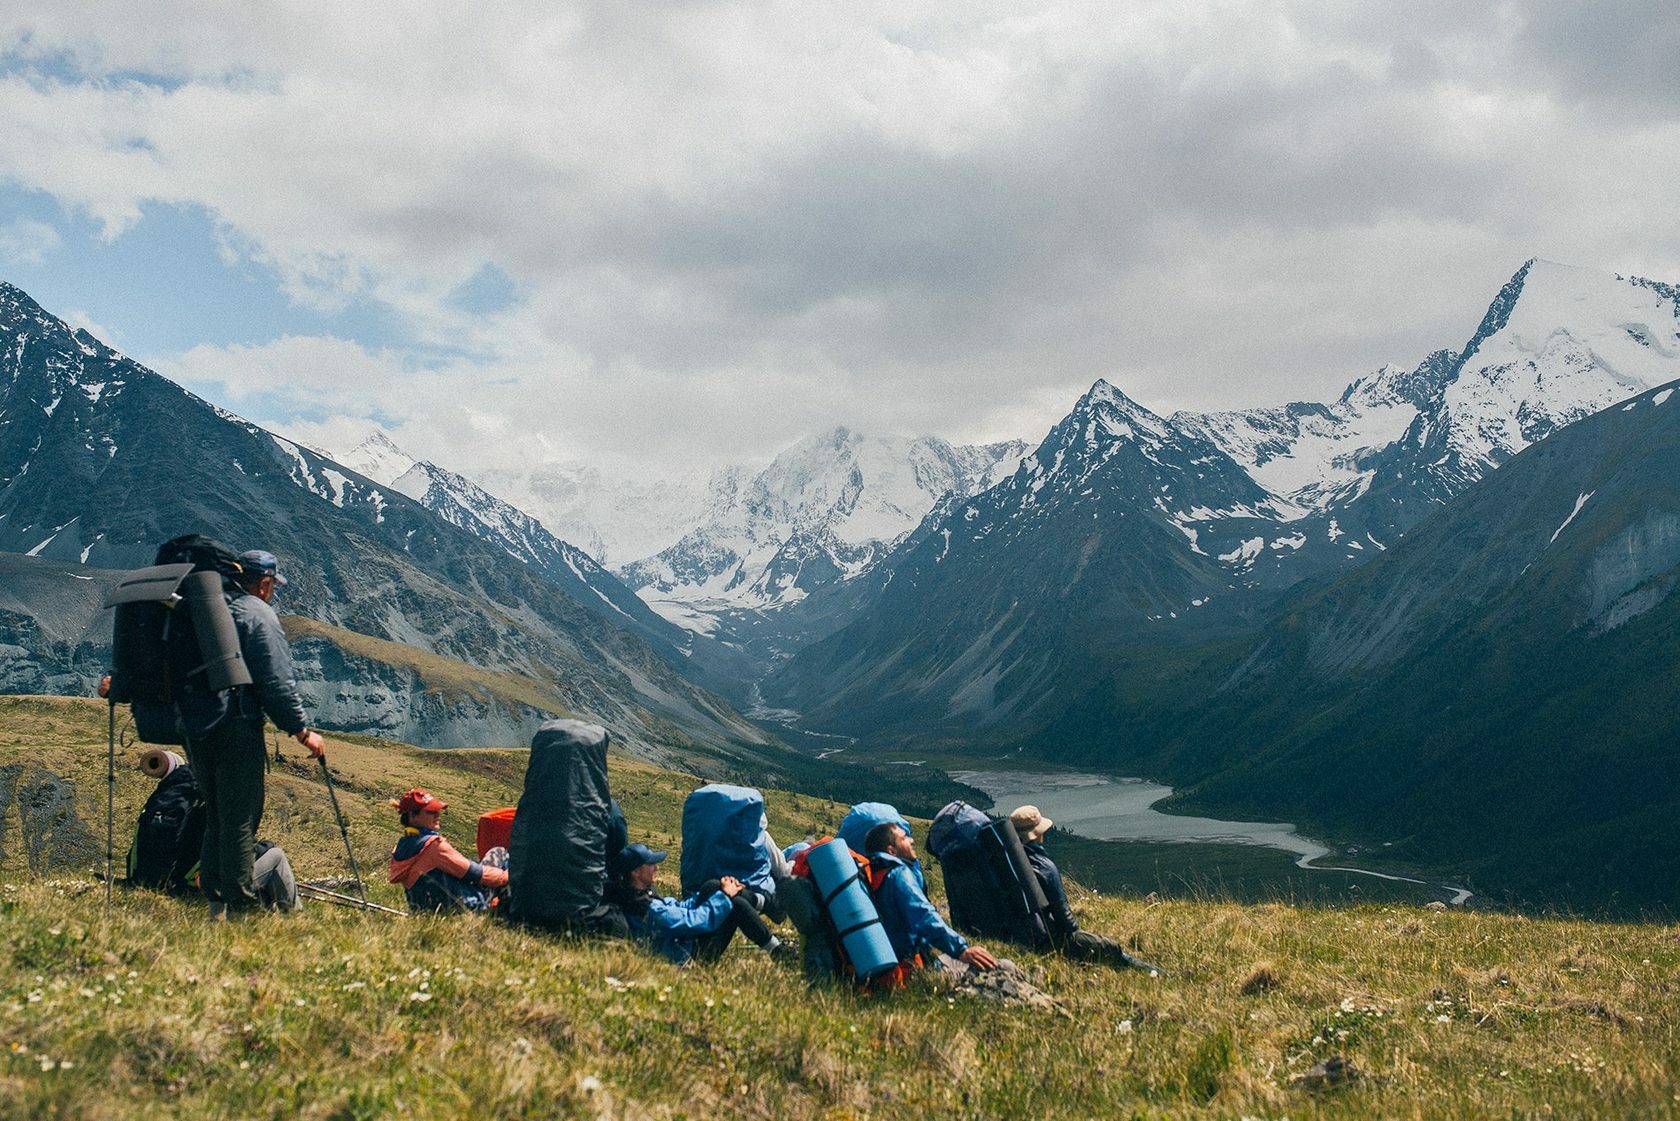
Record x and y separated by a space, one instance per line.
156 652
169 837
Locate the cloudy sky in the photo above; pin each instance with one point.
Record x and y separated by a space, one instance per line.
662 236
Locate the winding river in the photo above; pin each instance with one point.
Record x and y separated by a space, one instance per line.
1122 809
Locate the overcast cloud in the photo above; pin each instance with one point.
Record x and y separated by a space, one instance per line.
725 225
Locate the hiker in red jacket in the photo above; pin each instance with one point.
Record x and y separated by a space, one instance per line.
435 876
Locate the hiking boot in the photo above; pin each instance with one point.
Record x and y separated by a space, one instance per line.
785 952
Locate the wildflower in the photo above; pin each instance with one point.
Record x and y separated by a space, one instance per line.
1124 1027
65 1064
710 1002
419 996
1443 1019
589 1084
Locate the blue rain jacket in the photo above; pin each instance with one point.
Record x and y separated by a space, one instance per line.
672 925
908 918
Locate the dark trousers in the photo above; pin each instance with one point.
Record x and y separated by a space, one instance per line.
229 763
743 916
1082 945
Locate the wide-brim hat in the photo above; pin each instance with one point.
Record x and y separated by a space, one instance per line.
1029 823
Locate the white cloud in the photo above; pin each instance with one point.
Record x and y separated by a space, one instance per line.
24 241
732 223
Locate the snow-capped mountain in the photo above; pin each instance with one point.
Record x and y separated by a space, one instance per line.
1173 531
463 503
102 459
1557 344
1109 532
614 520
1312 455
823 511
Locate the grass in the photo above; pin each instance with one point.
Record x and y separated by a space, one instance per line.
149 1011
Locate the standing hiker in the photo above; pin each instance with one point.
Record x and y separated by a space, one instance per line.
224 735
1065 936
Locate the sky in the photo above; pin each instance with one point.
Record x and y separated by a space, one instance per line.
662 237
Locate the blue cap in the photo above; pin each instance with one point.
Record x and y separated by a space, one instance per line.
263 563
632 857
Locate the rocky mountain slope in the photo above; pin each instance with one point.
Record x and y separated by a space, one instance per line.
101 459
1498 690
1112 527
1230 515
466 505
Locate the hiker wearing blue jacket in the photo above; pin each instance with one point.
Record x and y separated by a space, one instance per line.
906 913
683 929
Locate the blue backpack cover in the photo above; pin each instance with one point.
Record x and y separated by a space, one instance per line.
863 817
723 834
956 829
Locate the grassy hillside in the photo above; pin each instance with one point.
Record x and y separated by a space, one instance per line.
149 1011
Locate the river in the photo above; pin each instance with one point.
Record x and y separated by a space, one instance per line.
1123 809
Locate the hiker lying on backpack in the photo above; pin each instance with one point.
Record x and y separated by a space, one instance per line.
433 874
683 930
906 914
1065 936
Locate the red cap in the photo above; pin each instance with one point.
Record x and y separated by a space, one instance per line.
419 801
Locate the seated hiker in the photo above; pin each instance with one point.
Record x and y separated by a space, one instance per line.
272 877
1065 936
683 930
433 874
906 914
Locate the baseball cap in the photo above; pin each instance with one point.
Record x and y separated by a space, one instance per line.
264 563
419 801
631 857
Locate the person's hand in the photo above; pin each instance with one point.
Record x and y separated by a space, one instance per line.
105 686
312 740
731 886
979 958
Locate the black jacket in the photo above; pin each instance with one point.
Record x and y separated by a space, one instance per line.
1060 916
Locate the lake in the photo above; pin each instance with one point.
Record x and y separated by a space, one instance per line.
1106 808
1122 809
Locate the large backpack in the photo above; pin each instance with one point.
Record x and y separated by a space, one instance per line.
823 938
723 834
169 836
557 849
178 640
992 889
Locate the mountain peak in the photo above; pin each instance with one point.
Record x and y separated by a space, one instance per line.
379 458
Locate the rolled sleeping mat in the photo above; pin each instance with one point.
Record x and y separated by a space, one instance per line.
218 638
1018 867
846 898
160 763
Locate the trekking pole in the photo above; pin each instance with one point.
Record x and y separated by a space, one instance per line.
343 827
322 895
110 797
